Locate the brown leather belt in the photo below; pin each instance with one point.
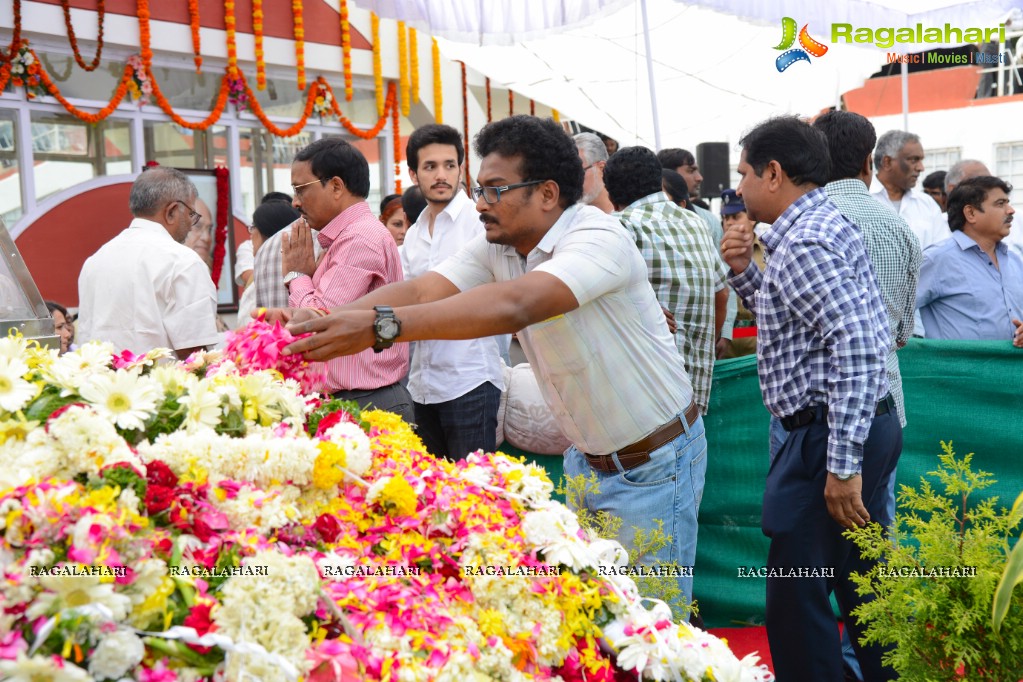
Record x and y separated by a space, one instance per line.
632 456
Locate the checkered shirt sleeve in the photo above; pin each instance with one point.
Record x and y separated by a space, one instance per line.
822 325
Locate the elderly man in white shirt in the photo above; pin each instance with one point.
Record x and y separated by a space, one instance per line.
144 289
574 286
455 385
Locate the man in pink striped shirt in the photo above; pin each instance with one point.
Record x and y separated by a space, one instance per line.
330 179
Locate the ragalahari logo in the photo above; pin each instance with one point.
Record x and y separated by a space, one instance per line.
788 37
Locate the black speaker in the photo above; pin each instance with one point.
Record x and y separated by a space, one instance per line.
712 158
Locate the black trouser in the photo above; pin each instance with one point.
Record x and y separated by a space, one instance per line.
801 625
394 398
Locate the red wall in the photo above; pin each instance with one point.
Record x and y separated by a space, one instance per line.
321 23
56 245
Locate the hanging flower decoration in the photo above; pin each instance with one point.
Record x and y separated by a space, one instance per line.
389 104
8 57
25 71
413 47
193 21
396 133
490 110
403 78
511 103
141 85
378 71
73 39
257 34
465 123
346 49
237 93
220 233
438 90
532 108
555 115
232 43
296 9
323 104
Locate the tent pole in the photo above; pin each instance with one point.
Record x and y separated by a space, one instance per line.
905 96
650 77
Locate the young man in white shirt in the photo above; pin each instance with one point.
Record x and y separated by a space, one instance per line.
455 385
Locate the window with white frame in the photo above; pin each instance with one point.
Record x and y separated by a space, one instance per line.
10 178
1009 167
941 159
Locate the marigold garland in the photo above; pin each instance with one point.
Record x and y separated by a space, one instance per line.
403 67
438 91
15 41
257 34
465 123
73 39
378 74
490 111
413 46
346 49
392 101
555 115
296 9
193 21
396 131
119 94
532 108
220 235
146 51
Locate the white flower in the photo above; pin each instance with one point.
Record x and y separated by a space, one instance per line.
358 450
15 392
72 591
13 347
116 654
555 532
203 404
41 669
126 399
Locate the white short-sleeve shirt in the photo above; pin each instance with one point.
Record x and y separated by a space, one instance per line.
143 290
445 370
609 369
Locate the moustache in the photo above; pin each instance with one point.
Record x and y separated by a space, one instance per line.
440 185
488 219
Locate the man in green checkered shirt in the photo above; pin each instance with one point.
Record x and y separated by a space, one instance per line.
684 267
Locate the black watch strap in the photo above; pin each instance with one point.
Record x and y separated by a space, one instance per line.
386 327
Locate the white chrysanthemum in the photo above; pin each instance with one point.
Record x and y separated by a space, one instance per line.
41 669
13 347
149 575
116 654
71 370
555 532
358 450
203 406
128 400
15 391
171 378
68 592
263 511
78 441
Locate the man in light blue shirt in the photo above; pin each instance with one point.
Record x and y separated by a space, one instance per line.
971 285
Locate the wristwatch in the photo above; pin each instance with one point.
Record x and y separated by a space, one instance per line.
292 276
844 477
387 327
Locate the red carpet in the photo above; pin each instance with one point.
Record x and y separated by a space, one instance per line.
743 641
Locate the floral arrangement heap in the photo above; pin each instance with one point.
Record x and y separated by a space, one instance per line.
214 519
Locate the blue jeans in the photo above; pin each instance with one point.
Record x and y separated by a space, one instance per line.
455 428
667 488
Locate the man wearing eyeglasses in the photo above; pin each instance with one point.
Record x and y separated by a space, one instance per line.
144 289
571 282
330 179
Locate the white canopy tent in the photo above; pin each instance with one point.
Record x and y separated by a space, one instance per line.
712 62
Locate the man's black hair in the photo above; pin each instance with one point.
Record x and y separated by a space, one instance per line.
850 138
935 180
275 196
413 203
971 192
800 149
434 133
674 157
676 186
334 157
545 150
631 174
273 216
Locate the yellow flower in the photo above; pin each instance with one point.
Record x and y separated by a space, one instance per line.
16 429
398 496
328 467
491 622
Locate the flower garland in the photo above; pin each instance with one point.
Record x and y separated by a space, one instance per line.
346 49
257 33
193 21
396 132
15 41
413 46
378 72
323 102
438 90
532 108
490 111
100 16
403 67
145 37
390 103
141 85
465 123
296 9
220 235
511 103
232 44
127 78
25 70
555 115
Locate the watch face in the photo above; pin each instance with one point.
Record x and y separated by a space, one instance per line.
387 328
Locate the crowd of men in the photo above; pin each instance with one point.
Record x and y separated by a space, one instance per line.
622 289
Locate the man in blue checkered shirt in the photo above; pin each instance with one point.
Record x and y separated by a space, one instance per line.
822 343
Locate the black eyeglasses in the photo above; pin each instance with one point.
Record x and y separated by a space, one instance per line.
196 217
492 195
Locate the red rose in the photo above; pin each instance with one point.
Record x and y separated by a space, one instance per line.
328 527
158 498
333 419
158 473
199 618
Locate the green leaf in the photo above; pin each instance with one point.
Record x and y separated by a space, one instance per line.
1012 576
